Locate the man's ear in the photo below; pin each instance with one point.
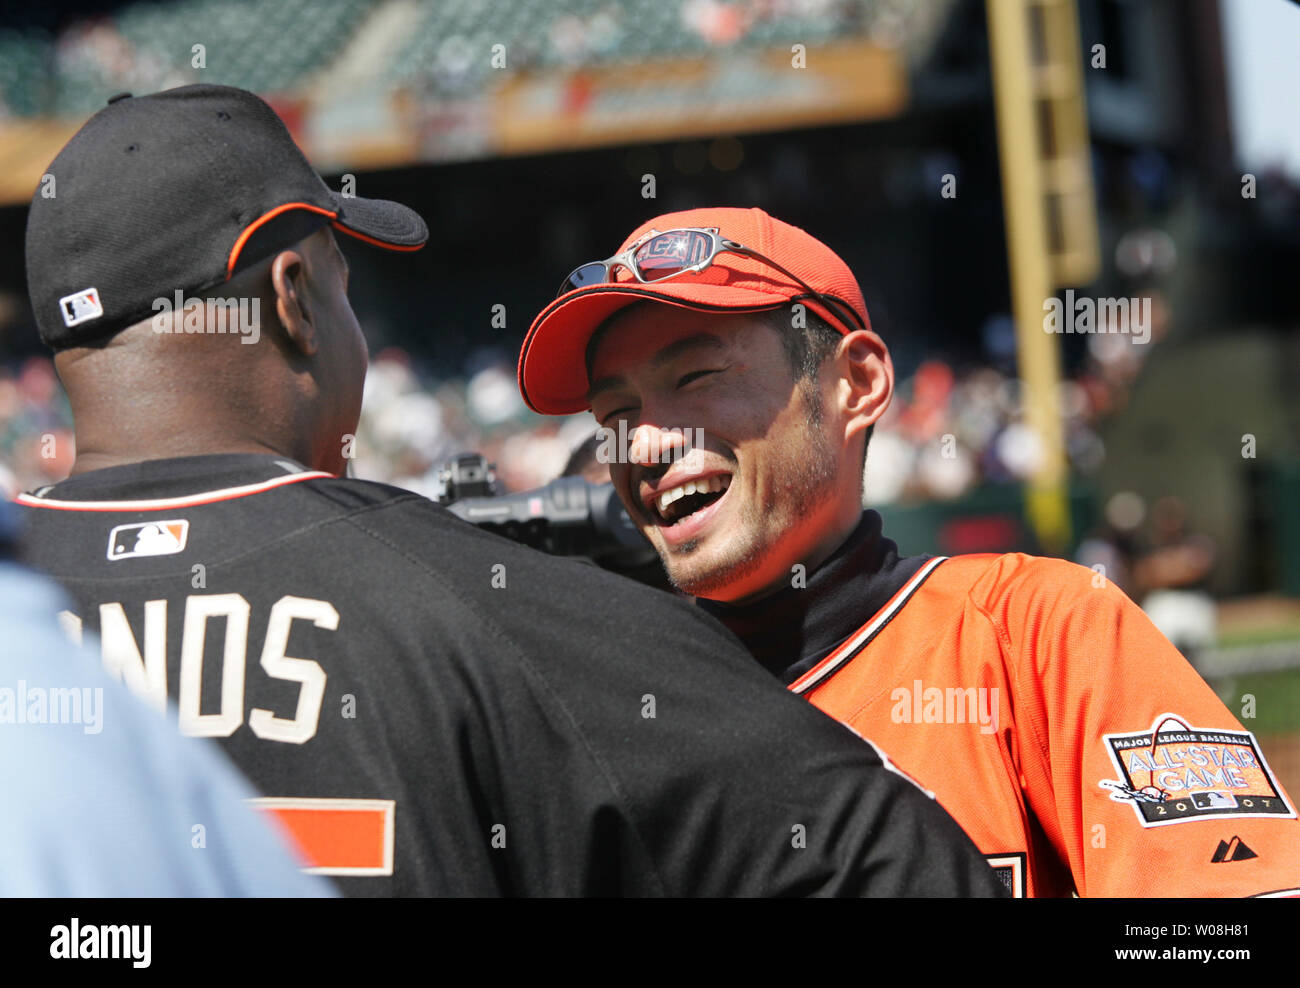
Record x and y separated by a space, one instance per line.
289 282
866 380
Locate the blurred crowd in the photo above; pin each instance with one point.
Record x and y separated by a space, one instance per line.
1156 557
36 445
948 430
952 429
59 66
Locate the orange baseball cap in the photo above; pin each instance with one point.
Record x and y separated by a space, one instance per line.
552 362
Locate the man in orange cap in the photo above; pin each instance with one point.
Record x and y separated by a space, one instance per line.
729 359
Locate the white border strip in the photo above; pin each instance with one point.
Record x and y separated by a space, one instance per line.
848 649
172 502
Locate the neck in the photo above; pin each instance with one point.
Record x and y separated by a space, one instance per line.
89 459
791 628
145 396
114 436
826 547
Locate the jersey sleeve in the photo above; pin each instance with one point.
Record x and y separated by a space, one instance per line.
1144 781
734 787
624 743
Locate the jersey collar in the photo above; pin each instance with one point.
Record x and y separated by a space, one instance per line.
171 483
793 629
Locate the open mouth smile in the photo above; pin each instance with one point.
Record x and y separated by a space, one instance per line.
681 511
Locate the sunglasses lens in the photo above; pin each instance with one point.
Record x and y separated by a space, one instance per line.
671 253
589 274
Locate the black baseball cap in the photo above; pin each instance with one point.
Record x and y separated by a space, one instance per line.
177 190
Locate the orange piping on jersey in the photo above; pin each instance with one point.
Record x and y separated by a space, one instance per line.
164 504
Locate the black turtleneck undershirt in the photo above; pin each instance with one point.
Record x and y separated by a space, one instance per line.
793 629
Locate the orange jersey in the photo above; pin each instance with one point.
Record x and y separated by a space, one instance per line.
1072 741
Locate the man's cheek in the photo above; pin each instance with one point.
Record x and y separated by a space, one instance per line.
623 487
619 475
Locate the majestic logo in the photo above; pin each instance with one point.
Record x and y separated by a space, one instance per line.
81 306
1174 773
153 538
1233 850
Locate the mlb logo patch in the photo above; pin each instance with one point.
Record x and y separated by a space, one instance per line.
81 307
153 538
1212 800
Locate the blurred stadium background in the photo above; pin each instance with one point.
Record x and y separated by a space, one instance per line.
1181 184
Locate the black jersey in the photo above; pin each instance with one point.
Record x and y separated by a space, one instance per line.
434 710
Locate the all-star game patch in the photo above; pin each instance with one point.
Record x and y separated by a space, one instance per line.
1173 773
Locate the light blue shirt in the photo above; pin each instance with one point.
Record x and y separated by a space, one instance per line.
99 796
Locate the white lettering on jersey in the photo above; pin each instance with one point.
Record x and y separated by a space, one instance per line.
70 624
144 671
302 726
234 608
145 676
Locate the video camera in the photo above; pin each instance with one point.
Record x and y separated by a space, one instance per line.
567 517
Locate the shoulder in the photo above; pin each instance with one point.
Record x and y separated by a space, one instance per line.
993 576
1017 590
511 584
350 492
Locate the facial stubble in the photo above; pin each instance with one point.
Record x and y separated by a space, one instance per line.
806 480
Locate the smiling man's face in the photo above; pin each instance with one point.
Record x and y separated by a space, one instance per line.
764 466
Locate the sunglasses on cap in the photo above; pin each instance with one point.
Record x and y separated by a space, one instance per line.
660 256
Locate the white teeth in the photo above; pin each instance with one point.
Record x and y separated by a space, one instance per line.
706 485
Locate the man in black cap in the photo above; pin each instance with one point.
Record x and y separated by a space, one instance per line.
429 709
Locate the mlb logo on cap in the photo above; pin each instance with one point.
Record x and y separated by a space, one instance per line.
80 307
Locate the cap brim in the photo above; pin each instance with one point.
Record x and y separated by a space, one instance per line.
553 360
380 222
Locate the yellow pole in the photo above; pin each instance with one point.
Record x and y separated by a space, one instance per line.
1030 263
